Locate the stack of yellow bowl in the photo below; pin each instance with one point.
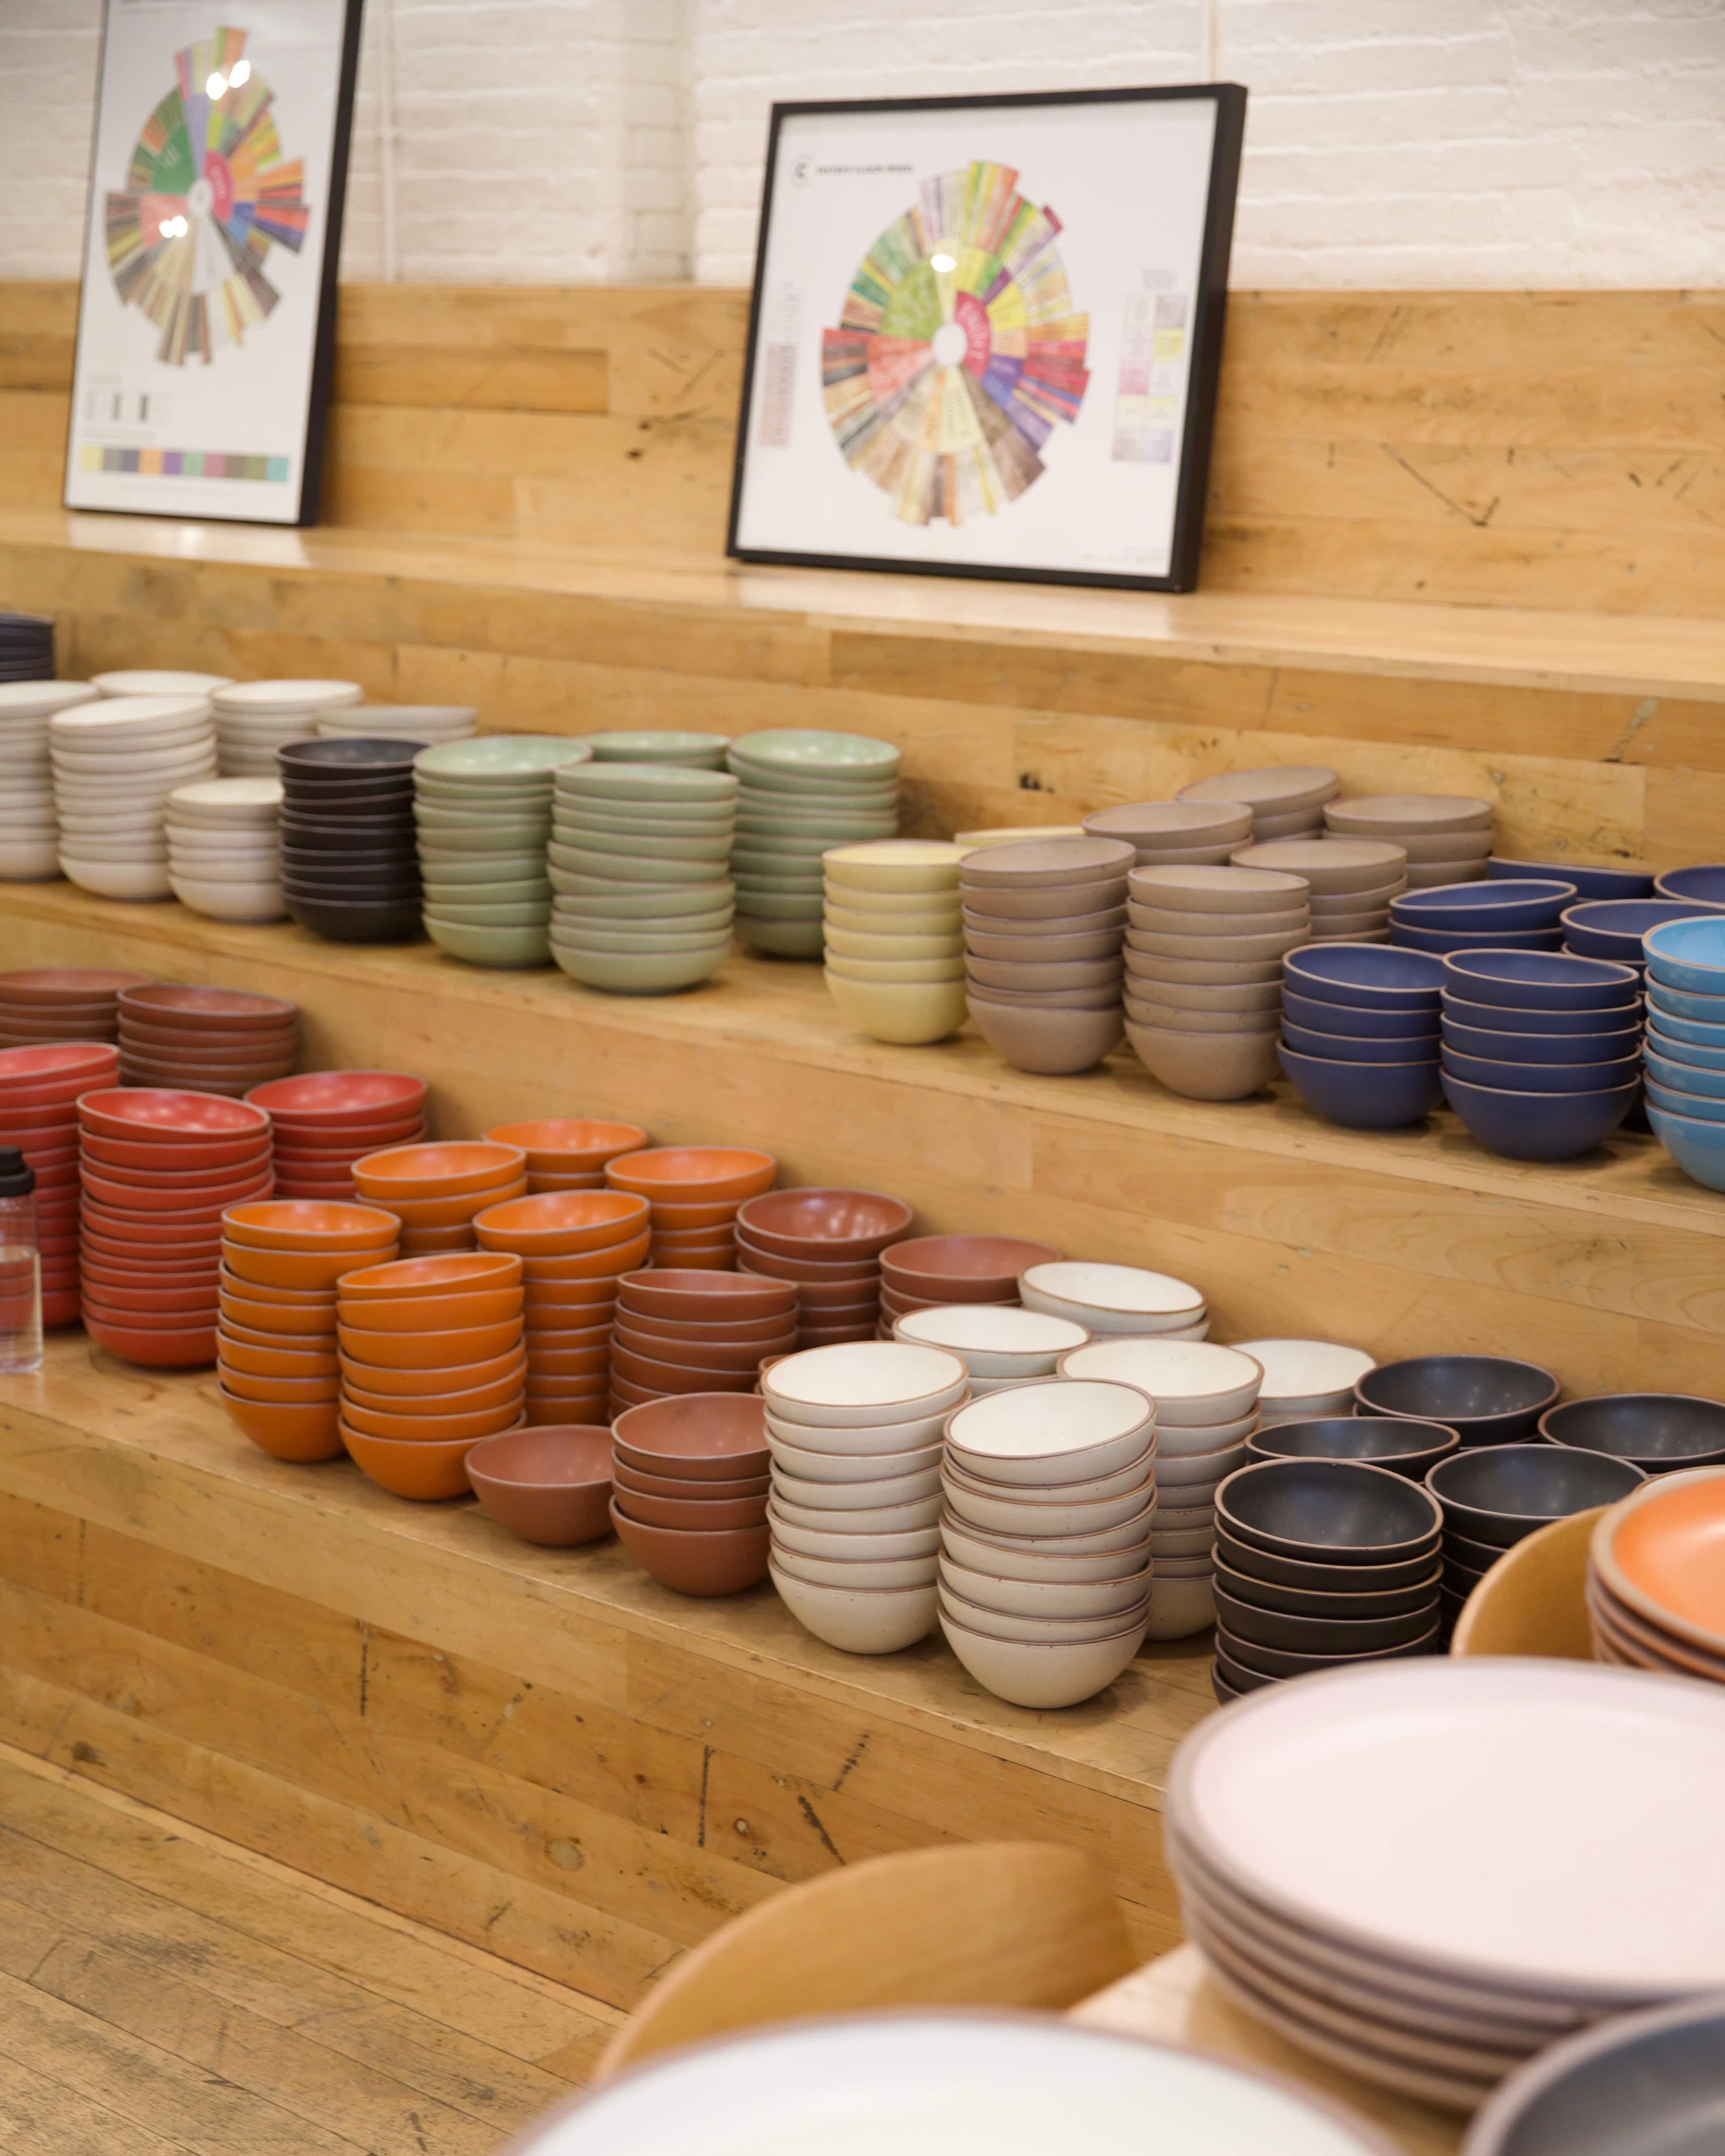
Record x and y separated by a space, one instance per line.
895 937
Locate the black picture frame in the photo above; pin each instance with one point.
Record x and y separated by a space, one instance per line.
1210 319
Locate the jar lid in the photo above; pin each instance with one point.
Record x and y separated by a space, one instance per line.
18 1178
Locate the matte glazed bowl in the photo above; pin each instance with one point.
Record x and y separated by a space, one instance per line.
1525 1124
1356 1021
1353 1048
1370 976
297 1433
1552 980
1657 1432
1617 927
1322 1602
1494 904
1486 1399
1542 1078
1205 1066
1536 1048
1589 882
1328 1570
1051 1043
425 1470
725 1561
550 1484
1332 1511
1250 1622
1361 1097
1497 1494
1536 1019
712 1436
1408 1447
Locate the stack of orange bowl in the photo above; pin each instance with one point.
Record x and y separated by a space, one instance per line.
38 1093
582 1241
157 1171
436 1191
829 1242
568 1152
62 1003
696 1332
431 1361
275 1346
694 1192
327 1120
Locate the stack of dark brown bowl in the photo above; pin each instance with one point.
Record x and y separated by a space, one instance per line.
830 1243
349 865
205 1040
62 1003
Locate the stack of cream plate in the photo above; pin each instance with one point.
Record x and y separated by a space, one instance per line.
893 932
1176 834
224 848
1447 837
1287 801
29 845
159 681
1351 882
1206 1408
115 761
428 724
1305 1380
1115 1300
1000 1347
1426 1870
254 719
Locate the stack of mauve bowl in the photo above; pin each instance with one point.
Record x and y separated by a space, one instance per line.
829 1242
935 1270
38 1092
48 1003
436 1191
205 1040
689 1490
326 1119
1287 801
1043 931
568 1152
568 1238
1447 837
158 1170
1171 835
694 1192
675 1318
1351 882
349 870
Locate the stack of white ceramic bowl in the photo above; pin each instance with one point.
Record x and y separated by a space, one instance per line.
694 752
1305 1380
1000 1347
29 848
1351 882
1173 835
159 681
854 1432
482 810
895 937
1287 801
1447 837
224 848
641 857
801 792
1206 1407
115 761
254 719
1116 1301
428 724
1046 1541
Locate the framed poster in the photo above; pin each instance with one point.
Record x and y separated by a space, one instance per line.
206 325
986 333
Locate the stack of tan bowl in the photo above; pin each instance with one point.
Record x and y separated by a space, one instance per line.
1287 801
568 1152
254 719
1351 882
997 1346
689 1490
1047 1548
1447 837
855 1437
115 761
693 1191
29 851
1043 928
1116 1301
1206 1408
47 1004
894 943
830 1243
1175 834
682 1332
1204 974
937 1270
436 1191
565 1240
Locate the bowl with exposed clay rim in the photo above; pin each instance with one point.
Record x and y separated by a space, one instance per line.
550 1484
1496 1495
1658 1432
1486 1399
1329 1512
1409 1448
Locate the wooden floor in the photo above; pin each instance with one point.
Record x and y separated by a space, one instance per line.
163 1990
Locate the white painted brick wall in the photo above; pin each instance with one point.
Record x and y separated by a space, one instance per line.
1411 142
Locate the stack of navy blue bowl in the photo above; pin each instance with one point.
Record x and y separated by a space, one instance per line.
1589 883
1542 1051
1359 1039
1613 928
1519 913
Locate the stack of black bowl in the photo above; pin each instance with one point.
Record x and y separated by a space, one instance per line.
1495 1496
26 648
349 870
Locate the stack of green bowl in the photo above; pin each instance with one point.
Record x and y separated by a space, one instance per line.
483 810
802 791
640 857
659 745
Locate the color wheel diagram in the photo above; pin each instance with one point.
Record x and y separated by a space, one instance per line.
958 352
207 195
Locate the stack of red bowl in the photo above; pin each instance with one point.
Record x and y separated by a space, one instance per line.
568 1152
694 1192
327 1120
38 1093
205 1040
62 1003
937 1270
158 1169
695 1332
438 1191
579 1240
829 1242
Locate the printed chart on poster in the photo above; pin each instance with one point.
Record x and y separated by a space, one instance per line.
986 332
207 316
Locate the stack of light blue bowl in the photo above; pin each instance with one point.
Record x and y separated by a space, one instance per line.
1522 913
1686 1043
1540 1050
1613 928
1359 1041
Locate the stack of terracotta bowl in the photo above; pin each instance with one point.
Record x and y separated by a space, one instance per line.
38 1092
1306 1380
1287 801
693 751
349 867
550 1484
326 1119
800 791
714 1327
1204 974
254 719
1447 837
1206 1408
431 1362
224 848
895 945
483 809
1321 1564
569 1239
1351 882
436 1191
282 1382
1116 1301
830 1243
1171 835
855 1433
936 1270
1495 1496
1043 929
29 851
689 1498
426 724
158 1169
693 1191
1046 1563
205 1040
115 761
1653 1577
998 1346
568 1152
50 1003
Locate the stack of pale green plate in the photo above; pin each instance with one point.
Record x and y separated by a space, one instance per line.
800 791
638 861
659 745
483 810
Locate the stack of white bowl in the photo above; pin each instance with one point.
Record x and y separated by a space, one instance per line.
254 719
159 681
1000 1347
115 761
1176 834
1352 881
29 849
854 1432
224 848
1447 837
895 937
1206 1408
800 791
428 724
1286 800
1305 1379
1045 1540
1112 1301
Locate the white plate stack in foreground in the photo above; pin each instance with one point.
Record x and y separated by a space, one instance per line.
254 719
115 761
224 848
802 791
29 848
895 937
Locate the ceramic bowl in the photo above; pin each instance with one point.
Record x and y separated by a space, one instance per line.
703 1297
1526 1125
1658 1432
1486 1399
1497 1494
1194 1384
1372 1096
994 1342
703 1436
1046 1436
1330 1511
1040 1674
954 1269
426 1469
1409 1448
1205 1066
550 1484
1368 975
